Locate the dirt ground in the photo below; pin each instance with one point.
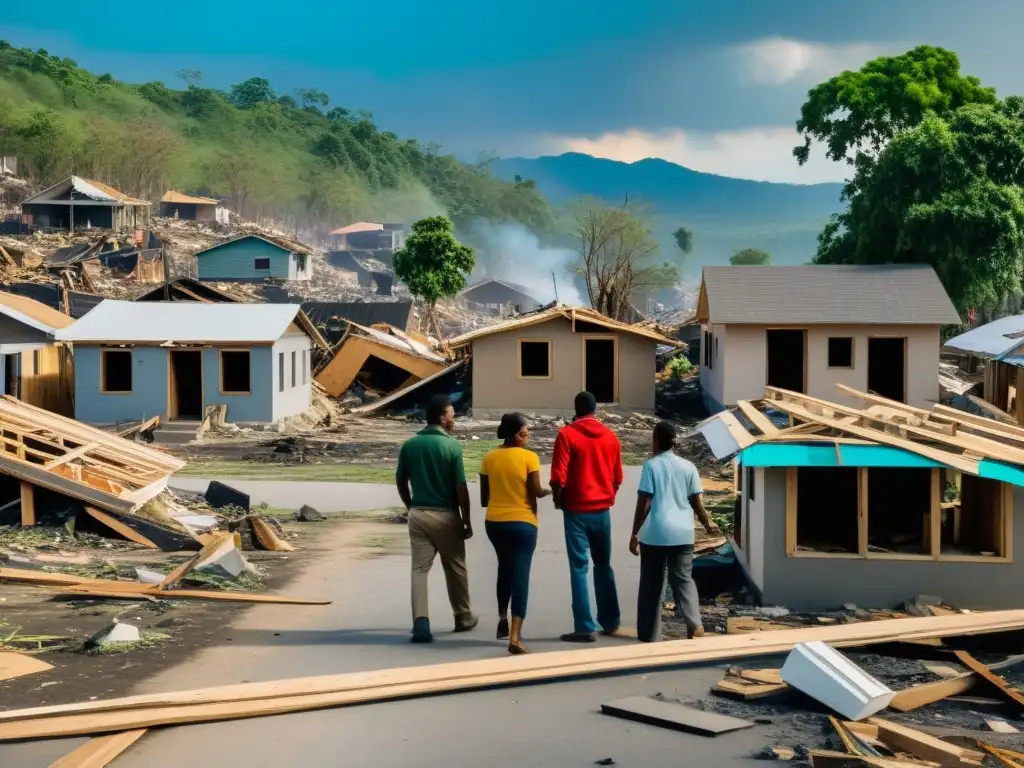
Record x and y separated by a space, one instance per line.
172 630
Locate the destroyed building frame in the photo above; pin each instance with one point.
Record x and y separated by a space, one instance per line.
76 203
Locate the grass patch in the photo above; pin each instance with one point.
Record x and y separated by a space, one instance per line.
720 507
147 639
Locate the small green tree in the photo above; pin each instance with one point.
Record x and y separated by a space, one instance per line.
754 256
433 264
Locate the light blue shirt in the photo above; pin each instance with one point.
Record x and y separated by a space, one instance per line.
671 480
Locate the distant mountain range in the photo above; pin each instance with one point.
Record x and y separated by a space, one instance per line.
724 214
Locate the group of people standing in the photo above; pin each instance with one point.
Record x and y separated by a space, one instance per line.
586 473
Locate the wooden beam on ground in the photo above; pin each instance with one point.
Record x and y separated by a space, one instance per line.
190 594
297 695
14 665
140 427
924 745
116 525
46 579
100 751
918 696
757 418
28 505
986 674
268 538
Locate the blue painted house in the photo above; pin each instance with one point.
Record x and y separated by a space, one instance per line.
256 257
136 360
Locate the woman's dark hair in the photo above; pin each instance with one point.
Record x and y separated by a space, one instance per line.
510 425
664 435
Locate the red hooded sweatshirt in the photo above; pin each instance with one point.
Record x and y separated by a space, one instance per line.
587 464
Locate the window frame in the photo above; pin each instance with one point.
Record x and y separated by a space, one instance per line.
1005 526
853 353
220 368
280 372
295 369
519 359
103 370
256 261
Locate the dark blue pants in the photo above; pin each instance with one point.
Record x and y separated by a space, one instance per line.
588 535
514 544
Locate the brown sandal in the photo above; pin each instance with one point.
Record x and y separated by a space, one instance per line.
518 649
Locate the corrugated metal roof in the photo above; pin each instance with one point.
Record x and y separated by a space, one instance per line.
181 321
94 190
171 196
359 226
992 339
884 294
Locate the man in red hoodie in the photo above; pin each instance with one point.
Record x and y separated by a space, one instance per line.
586 472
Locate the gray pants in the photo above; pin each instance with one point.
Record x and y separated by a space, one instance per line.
654 562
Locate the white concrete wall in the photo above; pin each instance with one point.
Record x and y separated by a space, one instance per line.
744 363
755 527
712 380
294 399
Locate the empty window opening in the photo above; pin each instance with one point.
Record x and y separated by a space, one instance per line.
303 366
599 369
750 483
295 366
280 372
534 359
261 265
972 512
707 345
300 262
116 370
899 510
12 375
786 359
187 383
826 509
738 510
840 352
36 355
235 372
381 376
886 368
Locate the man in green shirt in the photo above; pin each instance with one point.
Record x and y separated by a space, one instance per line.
439 523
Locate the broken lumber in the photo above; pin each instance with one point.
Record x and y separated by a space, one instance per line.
185 568
100 751
826 758
189 594
267 538
246 700
910 699
986 674
924 746
116 525
47 579
14 665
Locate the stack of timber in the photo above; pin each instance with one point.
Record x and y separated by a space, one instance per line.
272 698
44 450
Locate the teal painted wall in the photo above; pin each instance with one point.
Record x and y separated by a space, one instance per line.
148 397
237 261
257 406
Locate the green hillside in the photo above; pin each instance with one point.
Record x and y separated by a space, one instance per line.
292 157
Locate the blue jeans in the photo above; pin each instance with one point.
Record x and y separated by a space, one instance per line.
514 544
588 535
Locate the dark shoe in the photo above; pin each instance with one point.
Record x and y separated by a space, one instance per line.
502 628
466 623
578 637
421 631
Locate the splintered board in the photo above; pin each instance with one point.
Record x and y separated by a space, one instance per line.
642 709
14 665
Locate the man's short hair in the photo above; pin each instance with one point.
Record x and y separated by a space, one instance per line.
664 435
585 404
436 408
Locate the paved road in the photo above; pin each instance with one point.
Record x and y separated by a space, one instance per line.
367 627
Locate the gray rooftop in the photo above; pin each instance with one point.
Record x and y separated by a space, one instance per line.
884 294
181 321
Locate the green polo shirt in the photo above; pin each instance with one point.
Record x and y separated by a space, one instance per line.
432 462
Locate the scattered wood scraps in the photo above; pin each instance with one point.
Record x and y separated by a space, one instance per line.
100 751
14 665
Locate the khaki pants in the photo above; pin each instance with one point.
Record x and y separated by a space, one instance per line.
434 532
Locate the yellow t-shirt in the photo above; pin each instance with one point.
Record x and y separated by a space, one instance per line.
507 470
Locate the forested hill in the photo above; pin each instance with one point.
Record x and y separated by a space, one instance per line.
294 156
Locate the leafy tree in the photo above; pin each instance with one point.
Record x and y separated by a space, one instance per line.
190 76
433 264
339 114
753 256
254 91
856 113
287 101
616 255
312 98
47 146
684 240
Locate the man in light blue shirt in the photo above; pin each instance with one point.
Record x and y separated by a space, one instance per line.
663 536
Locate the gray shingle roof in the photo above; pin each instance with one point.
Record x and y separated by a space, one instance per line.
858 294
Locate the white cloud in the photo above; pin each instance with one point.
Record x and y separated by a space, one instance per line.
761 154
777 60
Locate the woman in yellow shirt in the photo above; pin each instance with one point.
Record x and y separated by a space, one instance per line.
509 488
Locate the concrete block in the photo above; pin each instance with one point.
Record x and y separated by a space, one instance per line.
115 632
225 561
147 576
825 675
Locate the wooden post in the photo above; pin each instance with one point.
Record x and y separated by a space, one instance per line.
935 515
862 512
28 505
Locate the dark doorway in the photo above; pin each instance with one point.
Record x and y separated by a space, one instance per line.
12 375
786 359
887 368
187 384
599 365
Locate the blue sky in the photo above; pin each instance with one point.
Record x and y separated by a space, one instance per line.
715 86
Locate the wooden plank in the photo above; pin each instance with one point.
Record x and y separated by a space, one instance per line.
739 433
14 665
1004 757
191 594
44 578
642 709
826 758
1001 726
100 751
748 691
37 475
140 427
791 499
757 418
71 455
28 505
986 674
924 745
302 694
910 699
268 539
209 547
120 527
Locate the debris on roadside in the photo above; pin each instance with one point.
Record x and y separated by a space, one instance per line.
115 633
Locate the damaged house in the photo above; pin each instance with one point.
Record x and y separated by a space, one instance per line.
538 362
76 203
178 205
136 360
369 236
36 369
255 258
499 297
869 504
807 329
1000 346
